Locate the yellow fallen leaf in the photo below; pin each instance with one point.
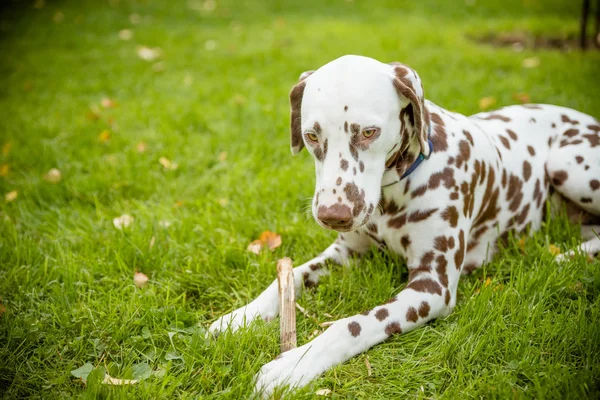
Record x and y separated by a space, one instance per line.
141 147
109 380
522 98
521 244
554 250
4 169
270 239
167 164
6 148
179 203
487 102
140 279
104 136
123 221
368 365
53 176
531 62
488 281
11 196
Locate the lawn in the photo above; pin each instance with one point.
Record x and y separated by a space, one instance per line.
176 113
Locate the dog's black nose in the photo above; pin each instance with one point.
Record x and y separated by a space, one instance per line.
337 215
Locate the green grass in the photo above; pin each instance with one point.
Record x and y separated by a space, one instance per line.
66 274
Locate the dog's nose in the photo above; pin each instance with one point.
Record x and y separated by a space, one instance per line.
335 215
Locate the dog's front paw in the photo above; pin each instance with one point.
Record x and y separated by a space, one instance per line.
294 368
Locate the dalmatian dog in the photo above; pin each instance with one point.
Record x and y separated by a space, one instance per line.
436 187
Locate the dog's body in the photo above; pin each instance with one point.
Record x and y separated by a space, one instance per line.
436 187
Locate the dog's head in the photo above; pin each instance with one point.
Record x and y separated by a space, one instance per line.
357 117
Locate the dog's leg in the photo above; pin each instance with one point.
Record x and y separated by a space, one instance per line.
266 305
430 293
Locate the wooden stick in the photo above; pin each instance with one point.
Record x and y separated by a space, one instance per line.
287 304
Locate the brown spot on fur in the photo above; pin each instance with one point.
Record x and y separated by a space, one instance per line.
346 126
405 241
424 309
531 150
594 139
361 166
442 263
504 141
354 328
345 108
459 256
319 153
355 197
559 177
522 216
317 128
464 153
446 176
512 134
571 132
420 191
397 222
526 170
338 181
411 315
469 137
421 215
565 118
595 184
450 214
382 314
497 117
392 329
425 286
353 151
579 159
308 283
440 243
586 200
344 164
315 267
447 297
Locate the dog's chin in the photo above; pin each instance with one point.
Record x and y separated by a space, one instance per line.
341 228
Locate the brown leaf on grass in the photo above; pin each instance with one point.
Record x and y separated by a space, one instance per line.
2 309
4 169
140 279
522 98
554 250
11 196
53 176
531 62
104 136
521 244
487 102
267 239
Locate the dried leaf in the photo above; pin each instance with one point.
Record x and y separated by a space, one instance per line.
167 164
323 392
108 103
531 62
2 309
6 148
141 147
270 239
140 279
4 169
53 176
11 196
487 102
554 250
255 247
522 98
123 221
109 380
487 282
104 136
521 244
148 54
125 34
368 365
326 324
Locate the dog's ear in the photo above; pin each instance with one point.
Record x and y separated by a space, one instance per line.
414 116
295 113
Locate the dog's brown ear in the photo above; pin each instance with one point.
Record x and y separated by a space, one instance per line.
414 117
295 113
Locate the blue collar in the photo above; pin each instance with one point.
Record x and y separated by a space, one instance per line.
418 161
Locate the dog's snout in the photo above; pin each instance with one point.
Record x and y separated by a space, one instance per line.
335 216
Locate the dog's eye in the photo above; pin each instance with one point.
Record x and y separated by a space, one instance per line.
312 136
369 132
